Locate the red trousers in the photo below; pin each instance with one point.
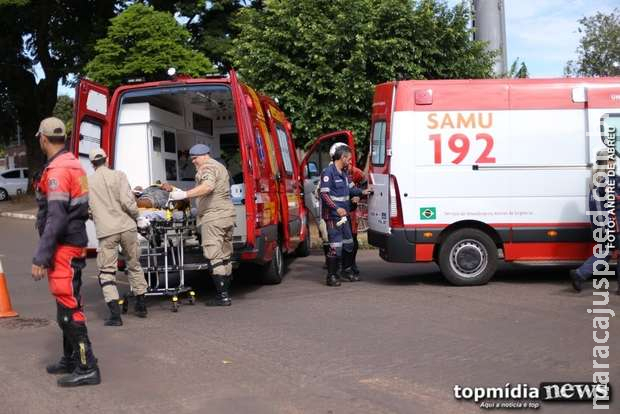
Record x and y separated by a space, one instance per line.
65 279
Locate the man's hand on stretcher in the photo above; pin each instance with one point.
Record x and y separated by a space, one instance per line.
175 193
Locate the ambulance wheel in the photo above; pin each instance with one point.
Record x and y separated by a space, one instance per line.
303 250
468 257
4 195
273 272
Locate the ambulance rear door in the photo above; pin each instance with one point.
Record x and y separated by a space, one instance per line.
91 130
248 165
379 160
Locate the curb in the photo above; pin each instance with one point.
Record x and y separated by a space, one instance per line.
22 216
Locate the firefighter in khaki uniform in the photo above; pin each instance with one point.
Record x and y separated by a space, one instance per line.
216 217
62 196
115 213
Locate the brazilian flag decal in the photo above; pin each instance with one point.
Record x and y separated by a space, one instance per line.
428 213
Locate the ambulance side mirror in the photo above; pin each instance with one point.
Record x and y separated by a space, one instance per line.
312 170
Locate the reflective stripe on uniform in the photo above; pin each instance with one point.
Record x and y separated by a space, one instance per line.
347 241
79 200
339 199
335 245
57 196
324 190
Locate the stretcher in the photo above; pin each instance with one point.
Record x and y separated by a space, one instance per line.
164 245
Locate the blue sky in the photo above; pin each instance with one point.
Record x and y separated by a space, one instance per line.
542 33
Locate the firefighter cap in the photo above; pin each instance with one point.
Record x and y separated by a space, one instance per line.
52 127
198 150
97 154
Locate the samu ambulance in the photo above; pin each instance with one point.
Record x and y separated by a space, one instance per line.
468 172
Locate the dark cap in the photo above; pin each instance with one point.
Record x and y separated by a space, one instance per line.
199 149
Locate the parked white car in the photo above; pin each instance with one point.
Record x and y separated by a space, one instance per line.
13 182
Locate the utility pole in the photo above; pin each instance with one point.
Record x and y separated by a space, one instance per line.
489 24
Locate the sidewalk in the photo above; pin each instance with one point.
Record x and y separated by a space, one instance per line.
21 207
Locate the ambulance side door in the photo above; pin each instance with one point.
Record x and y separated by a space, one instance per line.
289 188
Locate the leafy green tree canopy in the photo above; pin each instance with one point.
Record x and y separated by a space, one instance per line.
64 110
598 53
42 43
210 23
142 42
322 58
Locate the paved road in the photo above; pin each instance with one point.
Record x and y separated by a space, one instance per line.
396 343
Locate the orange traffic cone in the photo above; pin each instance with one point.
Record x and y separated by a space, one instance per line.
6 311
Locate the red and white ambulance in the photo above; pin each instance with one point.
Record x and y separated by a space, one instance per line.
147 128
467 172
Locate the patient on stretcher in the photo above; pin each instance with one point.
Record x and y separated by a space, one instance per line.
153 202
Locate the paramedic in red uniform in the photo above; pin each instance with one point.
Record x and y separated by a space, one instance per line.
62 196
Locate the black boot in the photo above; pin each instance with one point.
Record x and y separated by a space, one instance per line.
347 271
87 371
325 252
332 271
140 308
115 314
221 286
68 361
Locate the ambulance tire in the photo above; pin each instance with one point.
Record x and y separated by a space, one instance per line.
468 257
303 250
273 272
4 195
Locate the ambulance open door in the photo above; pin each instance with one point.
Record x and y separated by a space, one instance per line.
90 130
316 160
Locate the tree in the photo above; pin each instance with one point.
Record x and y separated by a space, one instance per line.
143 42
322 58
64 110
211 26
8 119
598 53
56 36
517 71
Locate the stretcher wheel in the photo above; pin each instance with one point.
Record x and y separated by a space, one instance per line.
124 305
192 297
175 304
